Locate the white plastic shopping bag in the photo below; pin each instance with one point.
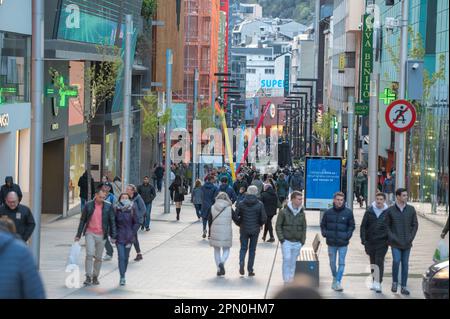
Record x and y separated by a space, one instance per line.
74 254
441 252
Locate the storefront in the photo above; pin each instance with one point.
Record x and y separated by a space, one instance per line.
15 108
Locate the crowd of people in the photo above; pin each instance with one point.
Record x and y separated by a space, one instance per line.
114 213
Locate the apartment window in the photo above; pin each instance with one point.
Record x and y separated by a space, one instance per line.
252 71
269 71
14 67
430 40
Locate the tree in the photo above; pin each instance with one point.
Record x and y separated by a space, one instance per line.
101 78
148 9
205 116
323 131
153 116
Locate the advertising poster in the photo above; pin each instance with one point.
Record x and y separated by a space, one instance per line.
322 180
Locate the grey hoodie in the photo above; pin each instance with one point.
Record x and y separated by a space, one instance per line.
379 211
293 210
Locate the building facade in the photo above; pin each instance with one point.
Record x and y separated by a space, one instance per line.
15 107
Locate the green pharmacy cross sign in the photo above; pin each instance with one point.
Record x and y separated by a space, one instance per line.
388 96
62 92
6 91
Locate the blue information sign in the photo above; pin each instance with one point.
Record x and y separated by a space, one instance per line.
322 180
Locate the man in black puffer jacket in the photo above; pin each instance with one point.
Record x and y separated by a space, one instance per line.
250 216
337 227
402 225
374 238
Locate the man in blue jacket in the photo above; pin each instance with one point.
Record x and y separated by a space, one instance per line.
19 277
337 227
226 188
209 193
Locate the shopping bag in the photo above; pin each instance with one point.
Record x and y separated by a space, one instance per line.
74 254
441 252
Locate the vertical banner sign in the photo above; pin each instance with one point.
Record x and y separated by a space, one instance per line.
287 67
367 57
322 180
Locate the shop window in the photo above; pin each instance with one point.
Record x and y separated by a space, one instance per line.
14 68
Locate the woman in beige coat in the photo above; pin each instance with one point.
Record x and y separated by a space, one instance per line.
221 230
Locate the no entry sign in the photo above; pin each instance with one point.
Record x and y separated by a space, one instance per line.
400 115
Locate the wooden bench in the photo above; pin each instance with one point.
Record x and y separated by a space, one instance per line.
308 261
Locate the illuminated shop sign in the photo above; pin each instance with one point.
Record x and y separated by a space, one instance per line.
4 91
388 96
279 84
62 92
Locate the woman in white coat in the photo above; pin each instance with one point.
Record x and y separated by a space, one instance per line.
221 230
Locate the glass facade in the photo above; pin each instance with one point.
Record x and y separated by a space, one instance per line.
14 68
428 141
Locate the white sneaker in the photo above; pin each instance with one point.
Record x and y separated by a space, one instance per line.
377 287
339 287
372 286
333 285
107 258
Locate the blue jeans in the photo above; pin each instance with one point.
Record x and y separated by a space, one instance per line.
159 184
148 210
124 253
332 254
290 251
247 239
400 256
83 203
198 208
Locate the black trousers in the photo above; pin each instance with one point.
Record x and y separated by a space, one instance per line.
377 256
268 227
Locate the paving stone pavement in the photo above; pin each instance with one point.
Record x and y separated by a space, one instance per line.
178 263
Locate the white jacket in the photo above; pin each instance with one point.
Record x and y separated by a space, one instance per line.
221 228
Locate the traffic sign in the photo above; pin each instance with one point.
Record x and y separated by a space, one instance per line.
400 115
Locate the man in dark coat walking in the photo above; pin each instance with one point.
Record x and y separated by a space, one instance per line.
20 214
8 187
250 215
83 185
226 188
209 194
270 201
337 227
148 194
402 226
374 238
159 173
97 222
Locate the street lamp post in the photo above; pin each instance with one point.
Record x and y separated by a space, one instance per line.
169 64
37 120
401 137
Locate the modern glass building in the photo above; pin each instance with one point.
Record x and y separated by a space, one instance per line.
428 141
